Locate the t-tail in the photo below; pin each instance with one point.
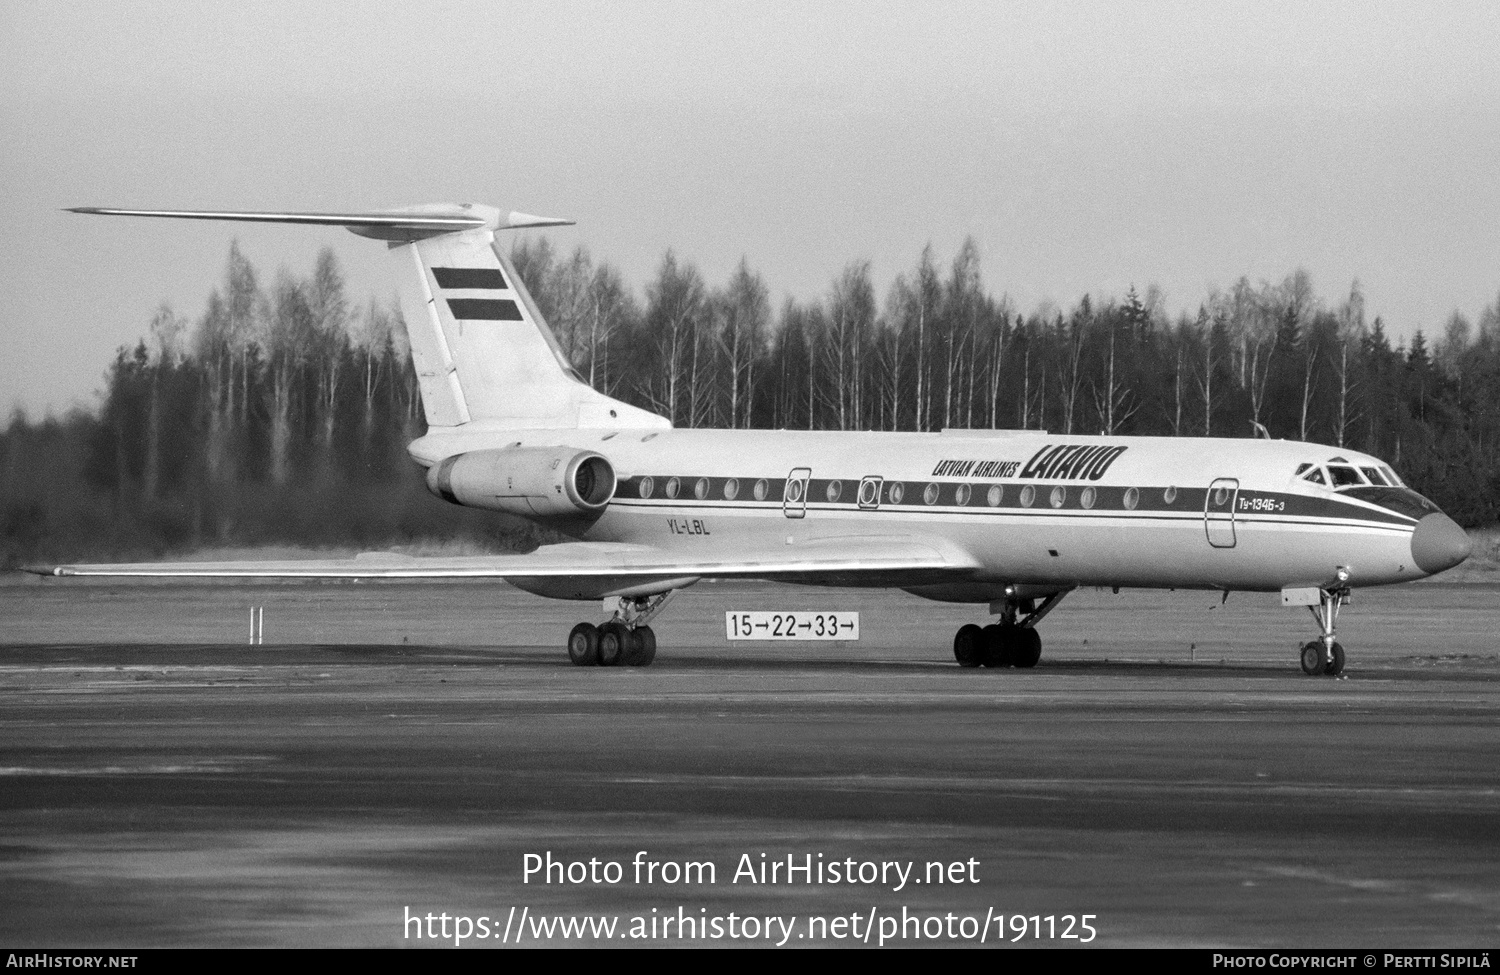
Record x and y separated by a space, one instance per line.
482 351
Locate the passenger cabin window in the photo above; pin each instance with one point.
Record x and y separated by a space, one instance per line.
1316 476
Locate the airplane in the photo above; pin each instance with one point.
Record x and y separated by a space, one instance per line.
1012 520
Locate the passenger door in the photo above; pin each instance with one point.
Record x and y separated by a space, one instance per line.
1218 512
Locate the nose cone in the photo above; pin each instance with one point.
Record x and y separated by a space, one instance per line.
1438 543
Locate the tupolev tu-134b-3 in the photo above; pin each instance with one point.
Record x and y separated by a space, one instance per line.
1010 520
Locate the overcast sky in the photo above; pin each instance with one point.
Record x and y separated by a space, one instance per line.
1085 146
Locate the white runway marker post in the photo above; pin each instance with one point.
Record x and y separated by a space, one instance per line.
257 625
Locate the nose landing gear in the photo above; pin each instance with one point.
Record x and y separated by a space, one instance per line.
1325 655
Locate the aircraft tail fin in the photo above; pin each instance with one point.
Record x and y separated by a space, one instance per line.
481 349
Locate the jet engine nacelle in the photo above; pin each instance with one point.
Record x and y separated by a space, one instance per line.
533 482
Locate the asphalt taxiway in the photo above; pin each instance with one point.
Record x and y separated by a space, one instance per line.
397 749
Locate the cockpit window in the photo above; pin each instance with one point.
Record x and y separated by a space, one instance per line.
1344 476
1373 476
1390 476
1301 468
1315 475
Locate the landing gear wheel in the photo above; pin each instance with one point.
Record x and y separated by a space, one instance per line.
1335 666
1312 658
1026 647
642 648
583 645
615 641
998 643
968 645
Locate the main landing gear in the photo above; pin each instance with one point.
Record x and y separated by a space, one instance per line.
622 641
612 645
1012 642
1325 656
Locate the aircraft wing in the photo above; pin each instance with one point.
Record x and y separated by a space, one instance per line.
824 559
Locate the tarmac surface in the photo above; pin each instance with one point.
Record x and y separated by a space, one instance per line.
399 750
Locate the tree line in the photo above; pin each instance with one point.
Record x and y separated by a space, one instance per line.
282 413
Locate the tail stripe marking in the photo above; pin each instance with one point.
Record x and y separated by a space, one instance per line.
484 309
488 278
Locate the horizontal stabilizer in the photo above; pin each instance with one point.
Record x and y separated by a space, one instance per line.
517 221
413 223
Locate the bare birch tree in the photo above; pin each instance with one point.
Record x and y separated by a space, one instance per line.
610 309
674 313
913 308
222 344
743 310
1209 330
328 308
1071 336
1114 400
287 341
850 318
963 309
167 329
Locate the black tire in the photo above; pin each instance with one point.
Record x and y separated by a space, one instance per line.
998 641
968 645
1335 666
583 645
1026 647
1312 658
615 641
642 648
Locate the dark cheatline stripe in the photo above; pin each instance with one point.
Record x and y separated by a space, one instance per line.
1186 504
470 277
485 309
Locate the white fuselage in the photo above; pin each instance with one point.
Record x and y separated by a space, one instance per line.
1030 508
